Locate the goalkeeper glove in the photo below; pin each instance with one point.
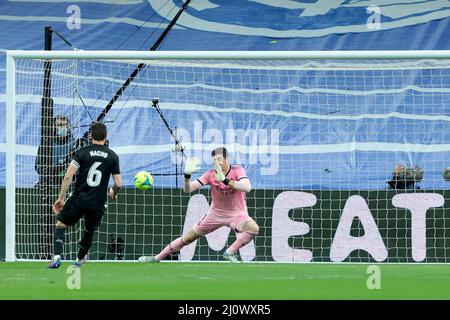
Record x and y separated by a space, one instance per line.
220 176
192 166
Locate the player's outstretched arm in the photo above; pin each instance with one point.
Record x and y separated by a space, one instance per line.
117 186
243 185
191 186
68 177
192 166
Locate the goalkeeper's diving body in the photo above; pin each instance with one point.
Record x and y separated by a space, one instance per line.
229 185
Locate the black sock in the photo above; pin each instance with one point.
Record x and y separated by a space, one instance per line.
85 244
58 240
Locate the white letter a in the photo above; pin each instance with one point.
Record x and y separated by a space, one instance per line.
344 243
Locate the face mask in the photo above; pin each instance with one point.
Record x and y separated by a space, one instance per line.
62 132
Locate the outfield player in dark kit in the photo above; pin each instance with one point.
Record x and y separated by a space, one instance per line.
94 164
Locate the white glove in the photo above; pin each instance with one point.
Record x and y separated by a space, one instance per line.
219 173
192 166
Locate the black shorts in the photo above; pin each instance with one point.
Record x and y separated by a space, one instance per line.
72 212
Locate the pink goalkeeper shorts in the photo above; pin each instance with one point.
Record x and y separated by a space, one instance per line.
214 220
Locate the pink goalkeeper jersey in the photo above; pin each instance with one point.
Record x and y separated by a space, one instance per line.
224 198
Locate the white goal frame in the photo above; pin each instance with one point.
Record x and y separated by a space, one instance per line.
12 55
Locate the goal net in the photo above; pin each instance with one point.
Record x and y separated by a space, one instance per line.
346 151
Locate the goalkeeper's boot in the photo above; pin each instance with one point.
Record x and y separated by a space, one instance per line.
56 262
147 259
230 257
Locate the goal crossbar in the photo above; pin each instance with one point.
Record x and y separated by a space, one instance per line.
231 55
329 91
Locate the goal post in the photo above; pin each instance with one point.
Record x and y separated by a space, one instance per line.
318 132
10 209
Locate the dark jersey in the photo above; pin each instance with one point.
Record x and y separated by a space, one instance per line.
95 164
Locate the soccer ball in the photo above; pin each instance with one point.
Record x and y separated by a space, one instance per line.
143 180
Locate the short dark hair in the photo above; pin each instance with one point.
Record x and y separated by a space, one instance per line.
68 124
220 150
63 118
98 131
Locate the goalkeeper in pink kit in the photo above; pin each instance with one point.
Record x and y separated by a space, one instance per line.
229 185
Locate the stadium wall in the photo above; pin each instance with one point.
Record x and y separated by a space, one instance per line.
295 226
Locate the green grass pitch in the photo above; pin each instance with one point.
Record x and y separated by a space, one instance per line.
223 281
